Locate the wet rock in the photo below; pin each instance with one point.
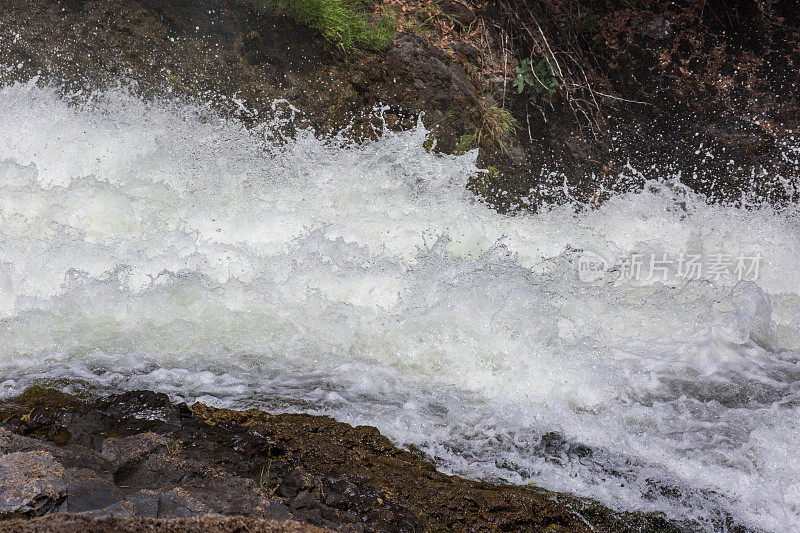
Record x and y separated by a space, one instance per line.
297 480
137 410
179 503
339 493
31 483
137 457
657 28
71 523
88 491
124 453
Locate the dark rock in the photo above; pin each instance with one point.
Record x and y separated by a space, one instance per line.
227 495
145 503
339 493
124 467
303 500
296 481
179 503
71 523
31 483
134 411
116 510
458 12
126 453
86 491
278 511
465 50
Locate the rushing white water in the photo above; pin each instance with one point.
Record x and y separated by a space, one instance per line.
160 246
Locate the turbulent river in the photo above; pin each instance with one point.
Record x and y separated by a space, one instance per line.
645 353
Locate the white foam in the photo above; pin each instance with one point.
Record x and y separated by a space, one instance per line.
160 246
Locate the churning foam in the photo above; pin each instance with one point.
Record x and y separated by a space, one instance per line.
160 246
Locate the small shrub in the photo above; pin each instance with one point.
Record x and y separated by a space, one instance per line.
494 128
423 20
341 22
465 143
537 78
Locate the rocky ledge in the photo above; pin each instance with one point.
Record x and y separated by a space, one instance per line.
135 461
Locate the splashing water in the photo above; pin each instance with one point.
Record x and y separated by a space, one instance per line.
160 246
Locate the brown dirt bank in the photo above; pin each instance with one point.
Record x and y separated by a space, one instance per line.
709 90
705 89
136 455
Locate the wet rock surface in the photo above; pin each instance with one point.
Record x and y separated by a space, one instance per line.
71 523
31 483
136 456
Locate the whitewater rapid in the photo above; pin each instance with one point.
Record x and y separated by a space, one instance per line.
160 246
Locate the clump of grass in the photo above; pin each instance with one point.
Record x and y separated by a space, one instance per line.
497 126
341 22
264 484
174 448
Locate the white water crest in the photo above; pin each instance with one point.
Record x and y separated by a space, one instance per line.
160 246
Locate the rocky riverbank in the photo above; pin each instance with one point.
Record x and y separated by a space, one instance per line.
667 85
133 458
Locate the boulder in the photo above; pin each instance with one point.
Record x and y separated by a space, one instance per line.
31 483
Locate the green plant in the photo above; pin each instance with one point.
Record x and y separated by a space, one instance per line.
341 22
465 143
174 447
497 126
424 19
536 78
263 481
483 181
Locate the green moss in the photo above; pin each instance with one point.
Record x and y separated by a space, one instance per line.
37 396
483 182
341 22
